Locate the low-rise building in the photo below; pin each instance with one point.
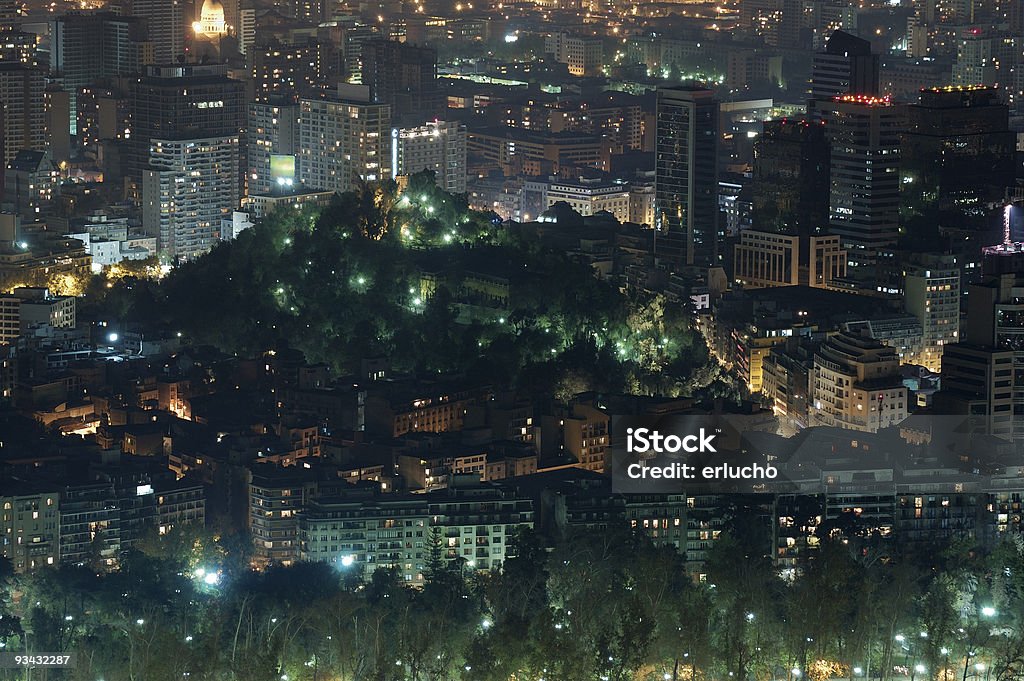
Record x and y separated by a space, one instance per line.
465 527
856 384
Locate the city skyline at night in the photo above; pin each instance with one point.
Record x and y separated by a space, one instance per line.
479 340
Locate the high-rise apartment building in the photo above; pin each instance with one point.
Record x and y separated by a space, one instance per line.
686 183
22 110
183 102
166 22
189 186
405 78
87 47
288 70
246 31
22 107
343 140
856 384
273 133
438 146
864 136
102 115
977 57
931 292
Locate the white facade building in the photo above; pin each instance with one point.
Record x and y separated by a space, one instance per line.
582 54
588 197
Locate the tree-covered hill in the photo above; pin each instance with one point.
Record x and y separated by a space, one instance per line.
419 278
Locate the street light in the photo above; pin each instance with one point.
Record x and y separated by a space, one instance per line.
988 611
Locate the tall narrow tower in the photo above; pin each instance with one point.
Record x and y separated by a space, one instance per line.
686 179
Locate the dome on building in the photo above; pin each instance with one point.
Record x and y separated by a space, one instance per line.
211 18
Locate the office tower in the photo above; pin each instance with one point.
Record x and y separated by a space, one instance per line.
583 55
847 66
273 134
438 146
686 182
957 157
166 23
790 178
403 77
87 47
979 378
183 102
344 139
191 184
864 136
856 384
790 190
931 292
22 110
283 70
